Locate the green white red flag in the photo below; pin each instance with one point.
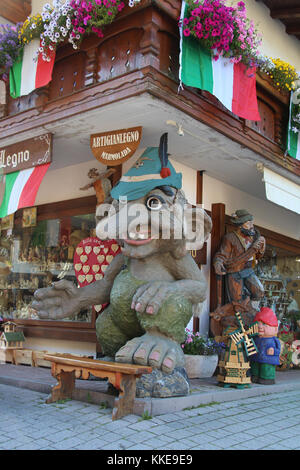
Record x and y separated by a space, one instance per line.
293 138
21 188
232 83
30 71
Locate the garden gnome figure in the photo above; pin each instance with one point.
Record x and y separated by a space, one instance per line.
238 251
263 364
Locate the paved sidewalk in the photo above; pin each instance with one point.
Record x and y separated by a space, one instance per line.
263 422
202 391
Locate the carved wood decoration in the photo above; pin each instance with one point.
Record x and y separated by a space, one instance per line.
26 154
68 76
266 126
116 147
139 55
15 10
288 12
119 55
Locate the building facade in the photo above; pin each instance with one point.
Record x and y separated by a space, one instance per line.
130 78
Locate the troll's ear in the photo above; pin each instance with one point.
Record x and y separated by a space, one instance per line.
197 227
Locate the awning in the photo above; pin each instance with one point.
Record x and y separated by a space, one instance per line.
282 191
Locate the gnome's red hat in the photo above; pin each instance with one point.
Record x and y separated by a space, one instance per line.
267 316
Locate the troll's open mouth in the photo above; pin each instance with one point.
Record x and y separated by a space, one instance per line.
138 238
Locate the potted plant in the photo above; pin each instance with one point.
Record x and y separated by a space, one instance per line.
201 354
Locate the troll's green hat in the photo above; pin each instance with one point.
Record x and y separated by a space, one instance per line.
151 170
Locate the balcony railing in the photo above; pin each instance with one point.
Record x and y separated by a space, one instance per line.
140 52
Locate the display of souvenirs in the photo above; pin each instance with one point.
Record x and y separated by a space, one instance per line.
279 272
36 256
276 296
286 337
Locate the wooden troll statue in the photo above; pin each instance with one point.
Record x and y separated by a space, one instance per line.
153 285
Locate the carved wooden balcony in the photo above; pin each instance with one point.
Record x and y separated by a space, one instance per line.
140 53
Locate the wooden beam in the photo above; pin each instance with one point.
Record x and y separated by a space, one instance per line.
199 200
285 13
293 29
15 11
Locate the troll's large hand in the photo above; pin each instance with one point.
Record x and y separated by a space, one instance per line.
58 301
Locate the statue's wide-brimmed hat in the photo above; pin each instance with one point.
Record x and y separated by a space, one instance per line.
151 170
240 217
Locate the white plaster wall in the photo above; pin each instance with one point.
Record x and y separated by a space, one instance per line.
276 42
189 180
37 5
64 184
267 214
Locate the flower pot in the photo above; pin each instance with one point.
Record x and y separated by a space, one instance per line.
198 367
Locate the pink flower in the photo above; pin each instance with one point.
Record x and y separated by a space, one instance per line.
86 19
186 32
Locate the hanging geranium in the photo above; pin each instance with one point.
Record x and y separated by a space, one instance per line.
225 30
91 16
9 48
71 19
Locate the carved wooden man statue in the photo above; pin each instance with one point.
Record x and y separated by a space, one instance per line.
238 250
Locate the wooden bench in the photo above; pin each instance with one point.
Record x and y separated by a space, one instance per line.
66 368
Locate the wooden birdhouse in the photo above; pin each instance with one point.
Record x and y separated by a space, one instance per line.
11 338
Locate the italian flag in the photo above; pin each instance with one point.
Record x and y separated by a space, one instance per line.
233 84
20 189
30 71
293 138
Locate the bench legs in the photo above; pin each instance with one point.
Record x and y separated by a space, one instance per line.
125 383
125 401
64 388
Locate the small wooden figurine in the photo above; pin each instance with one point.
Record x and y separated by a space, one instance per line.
10 338
263 364
233 370
101 183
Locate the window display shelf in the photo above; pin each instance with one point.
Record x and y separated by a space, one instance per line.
39 255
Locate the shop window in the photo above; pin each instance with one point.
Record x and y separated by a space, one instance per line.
34 257
279 272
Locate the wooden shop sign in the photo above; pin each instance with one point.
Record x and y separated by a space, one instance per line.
116 147
26 154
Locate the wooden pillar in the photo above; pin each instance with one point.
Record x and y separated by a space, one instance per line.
199 200
218 231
